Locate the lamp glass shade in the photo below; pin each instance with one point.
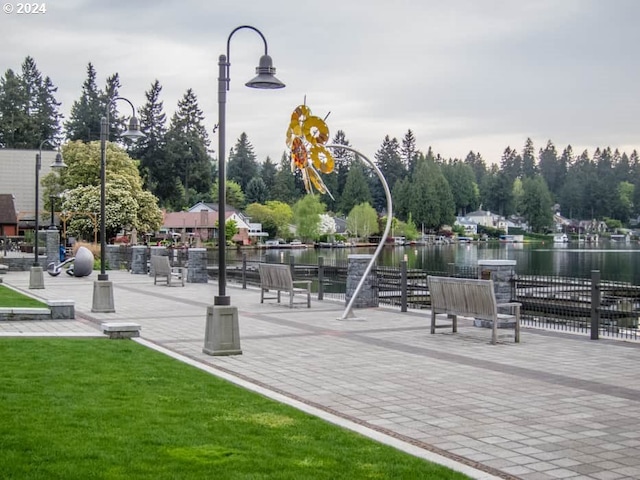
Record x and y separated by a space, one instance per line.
58 162
133 132
266 78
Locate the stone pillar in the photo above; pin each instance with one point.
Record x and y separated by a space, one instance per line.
53 246
113 257
139 260
162 251
197 266
502 273
368 295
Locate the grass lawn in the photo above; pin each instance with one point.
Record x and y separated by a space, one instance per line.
11 298
104 409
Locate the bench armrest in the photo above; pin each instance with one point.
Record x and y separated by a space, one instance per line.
514 305
307 282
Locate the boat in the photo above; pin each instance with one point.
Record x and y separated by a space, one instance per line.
560 238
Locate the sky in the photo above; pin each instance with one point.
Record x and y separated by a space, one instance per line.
462 75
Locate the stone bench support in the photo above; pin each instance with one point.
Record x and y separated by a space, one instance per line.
117 330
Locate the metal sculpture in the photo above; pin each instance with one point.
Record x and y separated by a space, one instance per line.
82 264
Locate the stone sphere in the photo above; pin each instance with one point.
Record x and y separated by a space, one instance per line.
83 263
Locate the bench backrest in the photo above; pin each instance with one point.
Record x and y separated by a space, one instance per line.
160 265
273 275
462 296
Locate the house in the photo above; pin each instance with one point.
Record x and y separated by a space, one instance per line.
487 219
254 232
470 228
8 216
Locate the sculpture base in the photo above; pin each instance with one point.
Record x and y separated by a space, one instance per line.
103 297
36 278
222 332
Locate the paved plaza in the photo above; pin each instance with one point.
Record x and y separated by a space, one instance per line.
554 406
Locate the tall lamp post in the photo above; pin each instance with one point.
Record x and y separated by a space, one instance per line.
36 276
103 288
222 312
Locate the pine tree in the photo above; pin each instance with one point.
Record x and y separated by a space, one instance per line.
242 165
408 153
256 191
284 188
87 112
268 172
356 190
14 120
389 161
528 159
150 150
186 148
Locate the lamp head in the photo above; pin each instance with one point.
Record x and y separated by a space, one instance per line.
133 132
266 75
58 162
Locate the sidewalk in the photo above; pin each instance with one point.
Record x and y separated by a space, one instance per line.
554 406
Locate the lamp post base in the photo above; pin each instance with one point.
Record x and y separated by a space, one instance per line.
103 297
36 278
222 333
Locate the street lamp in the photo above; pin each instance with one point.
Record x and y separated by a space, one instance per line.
36 277
52 199
265 79
102 288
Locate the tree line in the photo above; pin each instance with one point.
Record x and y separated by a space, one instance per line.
175 164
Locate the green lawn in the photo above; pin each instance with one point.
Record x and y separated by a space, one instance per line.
11 298
105 409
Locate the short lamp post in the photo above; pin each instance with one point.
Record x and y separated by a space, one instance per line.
103 288
221 336
36 276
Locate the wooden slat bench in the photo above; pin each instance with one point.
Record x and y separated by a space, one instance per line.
163 270
470 298
278 277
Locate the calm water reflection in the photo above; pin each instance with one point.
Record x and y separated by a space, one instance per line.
616 261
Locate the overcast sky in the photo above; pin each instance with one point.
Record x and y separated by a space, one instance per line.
463 75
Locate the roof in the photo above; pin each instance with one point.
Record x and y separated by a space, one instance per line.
203 219
7 210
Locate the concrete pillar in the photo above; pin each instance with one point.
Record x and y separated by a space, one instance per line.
502 273
139 260
197 266
53 246
368 295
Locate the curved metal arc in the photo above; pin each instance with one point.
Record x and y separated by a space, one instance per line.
227 59
387 229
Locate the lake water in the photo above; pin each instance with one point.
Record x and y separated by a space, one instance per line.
616 261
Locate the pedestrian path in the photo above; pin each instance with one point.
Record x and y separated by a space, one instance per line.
554 406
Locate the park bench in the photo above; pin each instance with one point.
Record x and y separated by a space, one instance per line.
277 277
162 270
470 298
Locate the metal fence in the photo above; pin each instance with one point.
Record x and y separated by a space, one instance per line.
586 305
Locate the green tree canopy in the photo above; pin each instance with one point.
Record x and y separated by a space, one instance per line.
306 216
362 221
127 205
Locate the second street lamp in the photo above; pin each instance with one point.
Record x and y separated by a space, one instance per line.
103 288
221 336
36 276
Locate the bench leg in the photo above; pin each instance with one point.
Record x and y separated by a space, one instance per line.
454 323
278 296
433 322
494 332
308 299
261 295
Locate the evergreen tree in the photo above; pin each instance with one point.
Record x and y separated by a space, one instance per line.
431 202
268 172
356 189
256 191
550 168
528 159
463 186
478 166
186 148
116 124
284 188
87 112
15 124
390 162
150 150
343 159
242 165
537 203
408 153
